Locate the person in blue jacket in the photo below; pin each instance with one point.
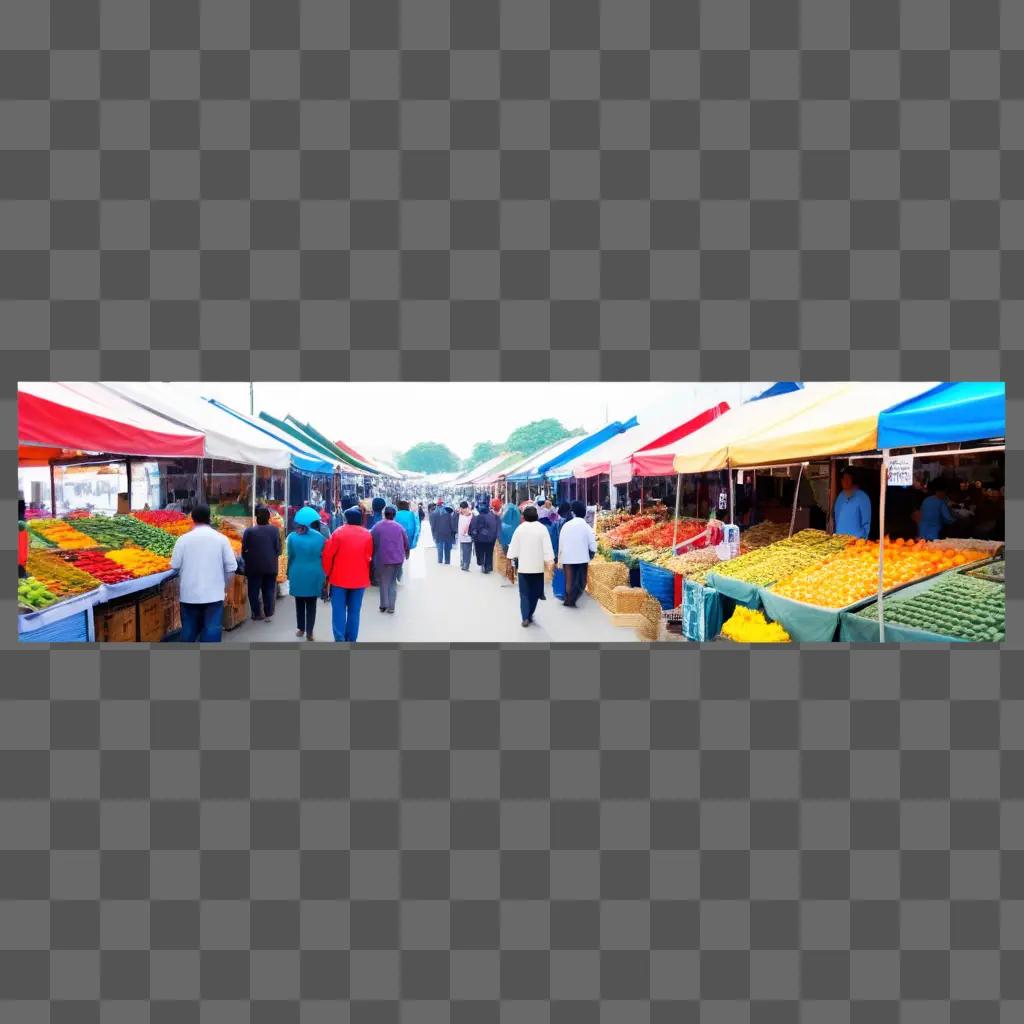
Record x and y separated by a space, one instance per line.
305 570
409 522
853 508
935 513
511 517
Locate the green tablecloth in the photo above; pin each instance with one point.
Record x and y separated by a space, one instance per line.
853 629
805 623
746 594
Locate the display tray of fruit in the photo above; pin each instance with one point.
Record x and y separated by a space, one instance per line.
850 576
174 523
139 562
122 531
995 571
61 534
784 558
98 565
33 596
58 576
763 534
957 606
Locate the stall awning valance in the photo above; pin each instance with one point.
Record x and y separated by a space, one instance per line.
527 469
961 411
83 415
556 467
304 459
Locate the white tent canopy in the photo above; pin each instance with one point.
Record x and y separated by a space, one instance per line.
226 437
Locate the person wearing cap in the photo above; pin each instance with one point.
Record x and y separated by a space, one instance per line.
346 563
305 549
390 550
577 544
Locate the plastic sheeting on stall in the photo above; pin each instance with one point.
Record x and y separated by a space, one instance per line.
85 416
961 411
556 467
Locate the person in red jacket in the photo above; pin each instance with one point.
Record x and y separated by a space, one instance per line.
346 560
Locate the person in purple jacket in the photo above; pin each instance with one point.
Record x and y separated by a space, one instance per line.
390 550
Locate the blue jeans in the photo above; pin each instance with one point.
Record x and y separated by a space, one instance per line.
465 552
345 607
444 552
531 586
202 622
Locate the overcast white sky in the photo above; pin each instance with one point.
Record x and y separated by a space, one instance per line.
383 418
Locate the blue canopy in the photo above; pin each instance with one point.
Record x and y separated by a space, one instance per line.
781 387
302 460
962 411
585 444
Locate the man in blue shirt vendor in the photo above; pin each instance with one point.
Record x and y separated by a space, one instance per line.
853 508
935 513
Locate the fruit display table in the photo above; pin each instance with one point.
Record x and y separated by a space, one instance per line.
952 598
37 627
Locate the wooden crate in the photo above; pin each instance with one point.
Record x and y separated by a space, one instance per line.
169 597
236 602
116 623
152 624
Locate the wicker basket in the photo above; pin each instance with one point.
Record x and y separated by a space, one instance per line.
609 574
627 600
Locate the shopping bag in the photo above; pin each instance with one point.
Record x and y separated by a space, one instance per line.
415 566
558 584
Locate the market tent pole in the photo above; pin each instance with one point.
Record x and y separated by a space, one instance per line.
53 493
287 498
732 497
675 527
253 495
796 494
128 474
883 487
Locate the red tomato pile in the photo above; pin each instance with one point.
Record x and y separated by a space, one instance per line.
97 565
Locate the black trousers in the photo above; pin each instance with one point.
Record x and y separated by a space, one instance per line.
485 554
305 614
264 585
575 582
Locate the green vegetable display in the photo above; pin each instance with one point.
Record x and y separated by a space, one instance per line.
33 594
119 531
957 606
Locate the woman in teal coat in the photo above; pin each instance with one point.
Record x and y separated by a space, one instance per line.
305 569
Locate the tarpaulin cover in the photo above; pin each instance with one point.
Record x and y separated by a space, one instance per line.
707 450
294 432
746 594
480 470
962 411
39 455
324 442
304 458
844 423
528 469
584 445
856 630
227 437
622 460
85 416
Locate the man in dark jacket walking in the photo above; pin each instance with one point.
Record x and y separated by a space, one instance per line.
484 530
443 527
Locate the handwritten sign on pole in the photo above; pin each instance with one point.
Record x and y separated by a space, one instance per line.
901 471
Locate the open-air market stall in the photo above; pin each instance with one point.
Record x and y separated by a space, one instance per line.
522 475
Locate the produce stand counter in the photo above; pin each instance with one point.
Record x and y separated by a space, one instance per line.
43 626
854 628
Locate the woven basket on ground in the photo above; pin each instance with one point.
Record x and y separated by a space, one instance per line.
627 600
610 574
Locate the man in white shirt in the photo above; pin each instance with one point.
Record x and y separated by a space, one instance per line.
577 545
205 563
531 547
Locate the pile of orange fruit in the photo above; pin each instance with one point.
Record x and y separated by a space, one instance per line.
139 562
852 574
66 537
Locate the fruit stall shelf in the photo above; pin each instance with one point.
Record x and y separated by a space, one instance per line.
37 627
854 628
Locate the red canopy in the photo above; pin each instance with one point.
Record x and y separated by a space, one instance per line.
640 464
81 415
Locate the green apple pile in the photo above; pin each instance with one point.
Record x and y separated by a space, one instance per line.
33 594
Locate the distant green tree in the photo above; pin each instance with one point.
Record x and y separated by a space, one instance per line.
429 457
536 435
482 452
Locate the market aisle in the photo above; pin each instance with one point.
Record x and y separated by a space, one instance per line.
451 606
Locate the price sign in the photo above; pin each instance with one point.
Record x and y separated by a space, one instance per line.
901 471
723 501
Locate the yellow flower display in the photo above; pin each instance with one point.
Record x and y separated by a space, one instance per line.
750 627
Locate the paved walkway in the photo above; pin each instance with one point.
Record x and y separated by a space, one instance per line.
451 606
